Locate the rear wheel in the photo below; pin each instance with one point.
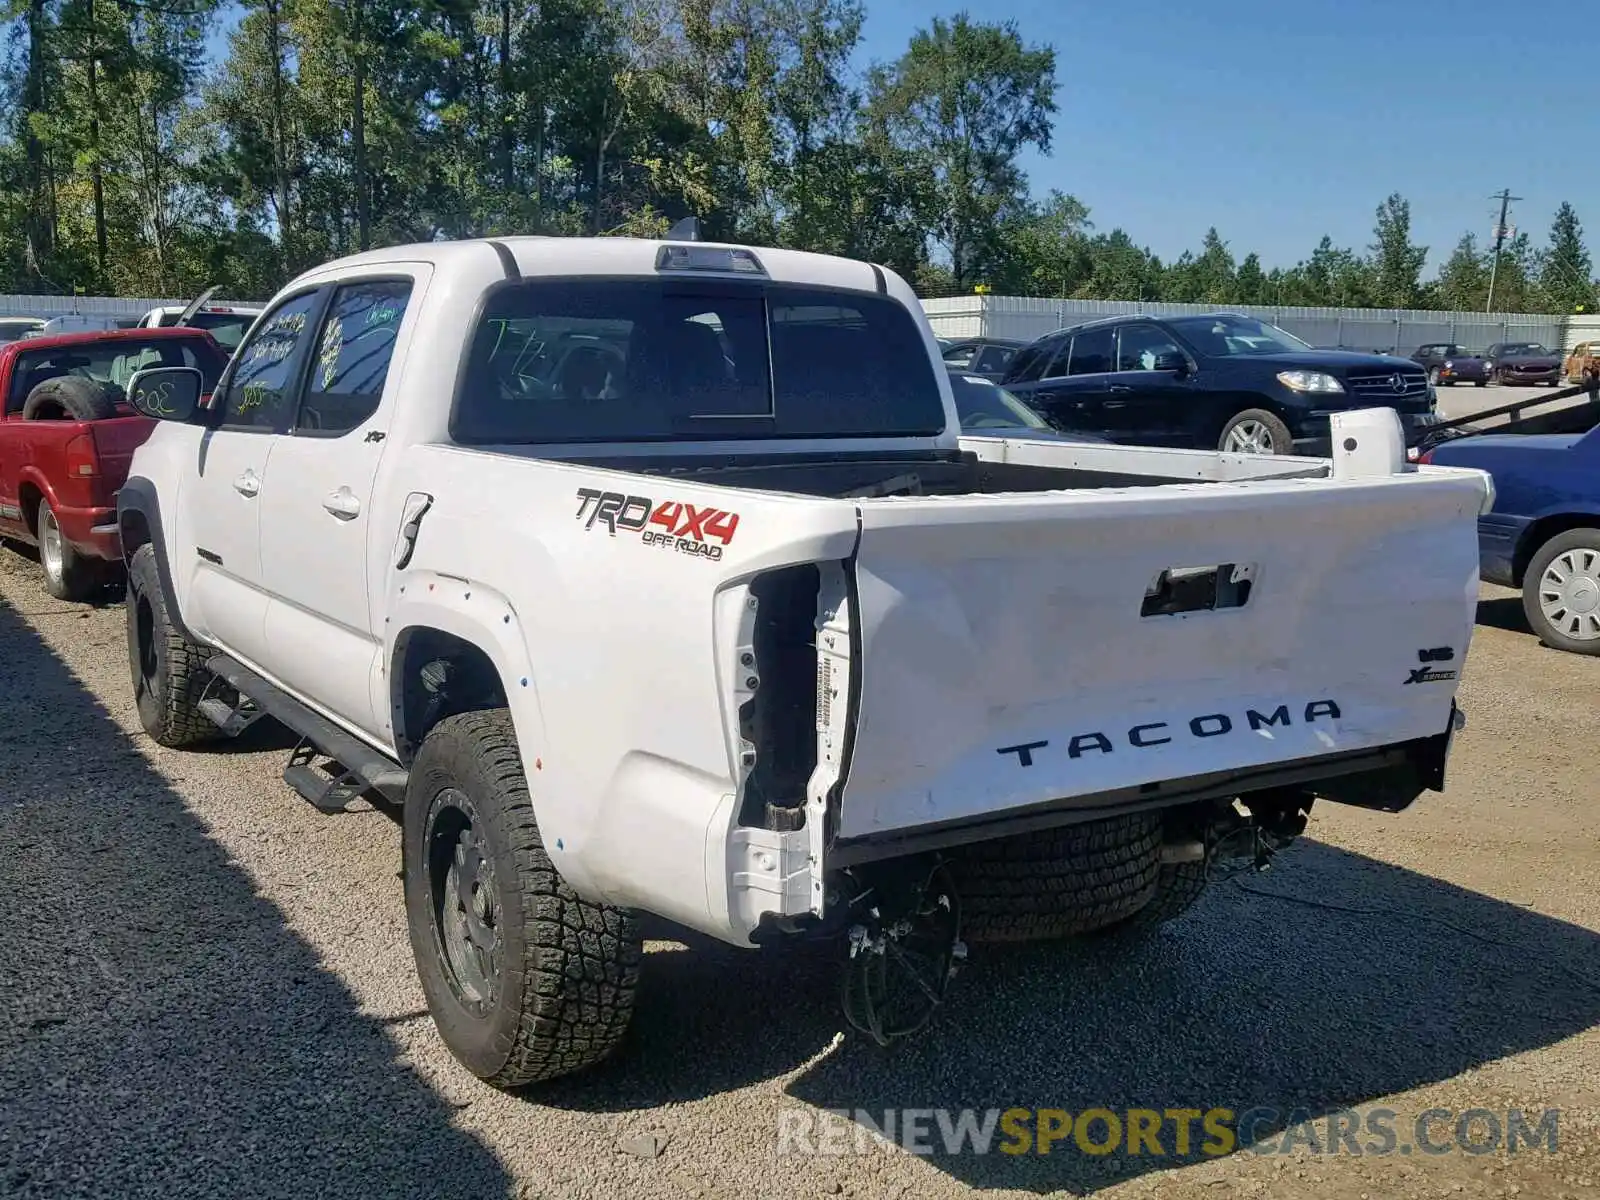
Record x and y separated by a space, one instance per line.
68 575
1058 883
1256 431
526 980
1561 592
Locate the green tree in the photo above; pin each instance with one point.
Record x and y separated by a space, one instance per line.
1567 274
1515 276
964 101
1250 283
1396 263
1464 279
1047 250
813 100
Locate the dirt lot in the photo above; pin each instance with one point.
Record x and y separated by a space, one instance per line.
206 988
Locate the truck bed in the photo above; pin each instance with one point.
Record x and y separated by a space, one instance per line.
983 466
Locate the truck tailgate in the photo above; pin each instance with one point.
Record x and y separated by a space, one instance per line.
115 440
1007 660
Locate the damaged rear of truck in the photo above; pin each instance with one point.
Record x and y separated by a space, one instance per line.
665 583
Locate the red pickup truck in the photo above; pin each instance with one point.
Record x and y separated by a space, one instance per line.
67 435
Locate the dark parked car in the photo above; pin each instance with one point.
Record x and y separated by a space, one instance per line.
988 357
1449 364
1543 533
987 410
1523 363
1223 381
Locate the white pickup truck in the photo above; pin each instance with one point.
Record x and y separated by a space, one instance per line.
656 577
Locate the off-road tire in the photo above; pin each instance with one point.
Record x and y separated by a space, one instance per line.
569 966
70 398
77 577
1282 439
1178 887
1060 882
1573 539
169 673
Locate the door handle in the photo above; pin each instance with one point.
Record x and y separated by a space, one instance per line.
248 484
1117 387
1116 404
342 504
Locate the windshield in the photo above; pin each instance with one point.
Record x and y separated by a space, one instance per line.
228 328
1222 337
15 328
981 405
112 362
1524 348
600 360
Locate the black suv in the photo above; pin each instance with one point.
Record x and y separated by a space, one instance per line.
1223 381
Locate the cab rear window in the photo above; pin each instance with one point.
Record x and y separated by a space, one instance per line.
112 361
652 360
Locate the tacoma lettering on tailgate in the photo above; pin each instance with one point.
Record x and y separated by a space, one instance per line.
1159 733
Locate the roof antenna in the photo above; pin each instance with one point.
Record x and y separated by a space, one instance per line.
686 230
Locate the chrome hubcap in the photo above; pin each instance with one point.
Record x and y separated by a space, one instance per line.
1249 437
50 544
1569 594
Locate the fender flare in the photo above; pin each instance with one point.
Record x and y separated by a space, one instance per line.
482 618
138 500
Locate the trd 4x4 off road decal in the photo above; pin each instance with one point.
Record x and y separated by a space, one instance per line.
670 524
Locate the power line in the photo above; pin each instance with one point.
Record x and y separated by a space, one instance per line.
1505 197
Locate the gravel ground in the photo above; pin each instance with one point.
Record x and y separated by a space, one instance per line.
206 987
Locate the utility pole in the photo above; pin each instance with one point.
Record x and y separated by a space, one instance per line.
1505 197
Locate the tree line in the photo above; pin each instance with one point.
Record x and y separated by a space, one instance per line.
133 164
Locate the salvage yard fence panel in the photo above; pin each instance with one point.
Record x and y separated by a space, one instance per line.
1388 330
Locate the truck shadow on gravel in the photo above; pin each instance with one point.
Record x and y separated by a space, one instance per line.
1250 1001
1504 612
162 1030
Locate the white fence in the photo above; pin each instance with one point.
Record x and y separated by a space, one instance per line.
99 306
1582 329
1018 317
1387 330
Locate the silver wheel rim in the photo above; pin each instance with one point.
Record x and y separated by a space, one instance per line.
1249 437
1569 594
50 544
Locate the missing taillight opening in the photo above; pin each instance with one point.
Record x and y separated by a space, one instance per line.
780 719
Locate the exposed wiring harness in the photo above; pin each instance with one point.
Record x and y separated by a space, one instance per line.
900 967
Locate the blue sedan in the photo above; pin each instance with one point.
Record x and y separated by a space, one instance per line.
1543 534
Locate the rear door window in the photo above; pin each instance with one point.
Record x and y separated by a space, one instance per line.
631 360
1091 352
353 354
1031 361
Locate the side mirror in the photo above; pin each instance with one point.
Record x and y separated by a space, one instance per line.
166 393
1172 360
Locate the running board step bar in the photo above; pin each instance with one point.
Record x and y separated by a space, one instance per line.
363 768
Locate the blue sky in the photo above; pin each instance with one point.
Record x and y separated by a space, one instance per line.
1280 120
